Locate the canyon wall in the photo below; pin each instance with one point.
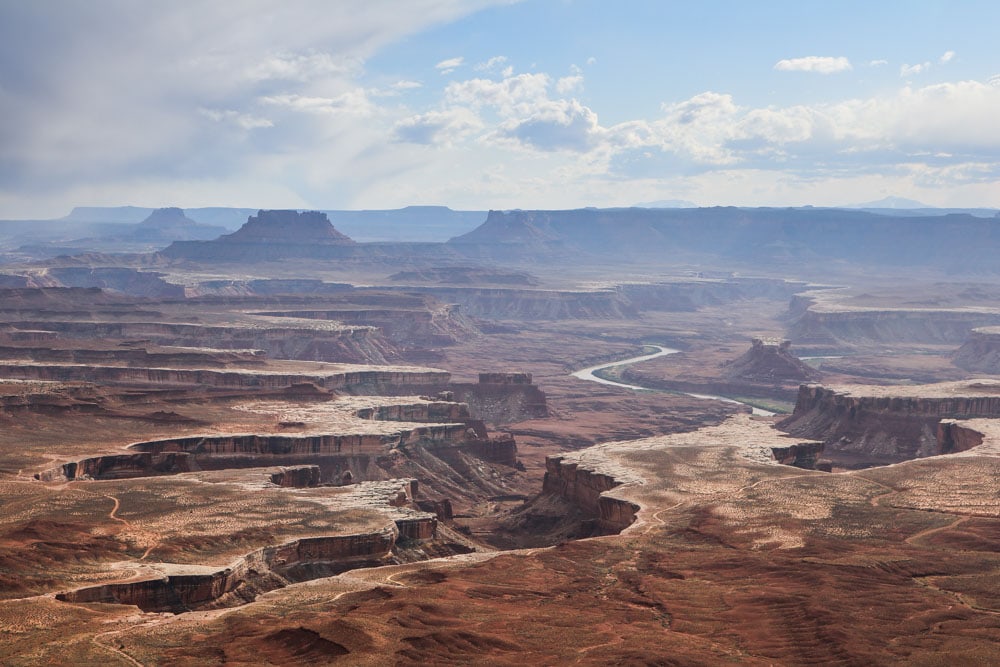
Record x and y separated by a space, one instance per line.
359 344
510 400
369 379
255 573
586 489
833 328
861 430
953 437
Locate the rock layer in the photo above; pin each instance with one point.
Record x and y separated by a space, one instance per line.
863 426
587 489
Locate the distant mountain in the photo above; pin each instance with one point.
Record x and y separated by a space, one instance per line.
269 235
667 203
286 235
890 202
412 223
288 228
111 214
163 226
759 238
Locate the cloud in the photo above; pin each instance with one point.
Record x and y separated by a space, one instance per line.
243 120
910 70
555 125
877 63
437 127
352 102
569 84
301 67
506 95
591 60
112 99
817 64
406 85
946 57
450 65
491 64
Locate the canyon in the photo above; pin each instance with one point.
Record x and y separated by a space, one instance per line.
287 446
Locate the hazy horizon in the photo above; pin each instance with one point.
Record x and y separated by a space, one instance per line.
483 104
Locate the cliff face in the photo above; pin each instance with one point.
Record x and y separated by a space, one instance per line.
304 444
932 326
586 489
801 455
287 227
297 477
495 402
954 437
256 573
333 343
873 430
348 380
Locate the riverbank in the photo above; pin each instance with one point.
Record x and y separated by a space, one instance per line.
610 374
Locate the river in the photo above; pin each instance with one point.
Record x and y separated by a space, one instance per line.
589 374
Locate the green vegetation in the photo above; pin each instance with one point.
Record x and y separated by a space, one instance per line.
774 405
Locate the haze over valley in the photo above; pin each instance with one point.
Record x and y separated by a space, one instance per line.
499 333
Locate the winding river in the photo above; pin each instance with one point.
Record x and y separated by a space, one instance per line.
589 374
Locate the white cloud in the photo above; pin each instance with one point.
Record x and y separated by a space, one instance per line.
437 127
491 64
243 120
450 65
817 64
506 95
301 67
116 100
406 85
554 125
910 70
877 63
353 102
569 84
591 60
946 57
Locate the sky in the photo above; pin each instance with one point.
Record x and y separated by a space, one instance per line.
479 104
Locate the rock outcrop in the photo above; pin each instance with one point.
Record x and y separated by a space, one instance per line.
287 227
305 341
953 437
362 378
297 477
769 361
587 488
801 455
185 588
826 326
270 235
863 425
